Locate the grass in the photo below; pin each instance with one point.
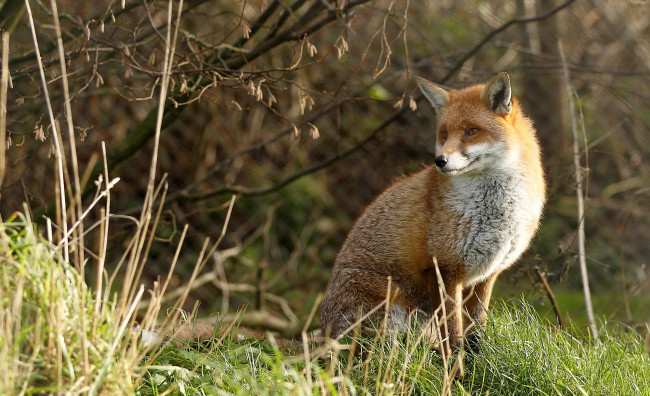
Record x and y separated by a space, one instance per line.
55 337
527 356
521 354
46 348
608 305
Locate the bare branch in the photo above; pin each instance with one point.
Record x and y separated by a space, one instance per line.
551 296
371 135
144 131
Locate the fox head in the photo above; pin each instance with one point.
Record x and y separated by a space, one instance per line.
475 125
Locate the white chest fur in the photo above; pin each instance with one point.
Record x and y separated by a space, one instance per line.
498 219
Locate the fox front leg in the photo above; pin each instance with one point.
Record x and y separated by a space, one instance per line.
445 291
451 327
451 319
475 309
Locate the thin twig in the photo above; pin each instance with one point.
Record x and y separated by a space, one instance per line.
551 296
580 198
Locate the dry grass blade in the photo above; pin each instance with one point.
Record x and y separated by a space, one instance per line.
60 156
138 254
4 83
117 342
78 208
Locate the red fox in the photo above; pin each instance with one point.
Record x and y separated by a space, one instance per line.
473 213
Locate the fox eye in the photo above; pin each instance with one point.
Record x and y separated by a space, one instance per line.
472 132
443 135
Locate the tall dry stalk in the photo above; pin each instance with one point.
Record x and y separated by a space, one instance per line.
104 343
139 253
579 173
58 150
75 197
4 80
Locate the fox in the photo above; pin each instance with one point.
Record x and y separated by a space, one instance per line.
455 225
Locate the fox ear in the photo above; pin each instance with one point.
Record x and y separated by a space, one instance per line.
436 95
498 95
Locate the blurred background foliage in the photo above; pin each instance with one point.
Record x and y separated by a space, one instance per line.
307 109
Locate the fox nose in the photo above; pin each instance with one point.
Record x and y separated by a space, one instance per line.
440 161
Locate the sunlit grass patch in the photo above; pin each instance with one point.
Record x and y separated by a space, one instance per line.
55 338
520 354
525 355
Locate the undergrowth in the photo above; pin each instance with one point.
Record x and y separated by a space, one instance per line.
56 338
55 335
520 354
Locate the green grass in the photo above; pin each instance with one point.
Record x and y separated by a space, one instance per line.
56 338
248 368
524 355
608 304
521 354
